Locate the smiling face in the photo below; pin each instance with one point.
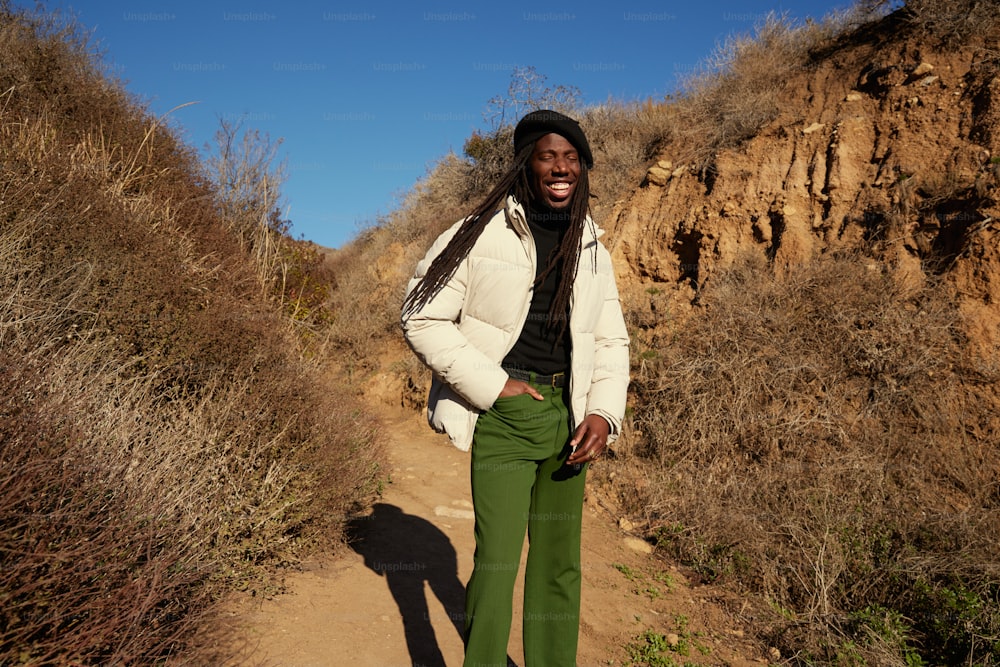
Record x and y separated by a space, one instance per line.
555 169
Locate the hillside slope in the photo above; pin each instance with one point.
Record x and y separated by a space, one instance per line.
165 434
882 141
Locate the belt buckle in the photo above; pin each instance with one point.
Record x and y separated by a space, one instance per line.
554 377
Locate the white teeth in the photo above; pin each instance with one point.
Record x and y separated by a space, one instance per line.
560 186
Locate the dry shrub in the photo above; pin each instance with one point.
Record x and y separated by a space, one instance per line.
126 507
247 178
370 273
364 309
88 565
954 20
736 90
163 436
527 91
822 440
624 137
492 154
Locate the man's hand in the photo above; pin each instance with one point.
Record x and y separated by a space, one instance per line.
516 387
590 439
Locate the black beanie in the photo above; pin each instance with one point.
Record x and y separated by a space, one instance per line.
544 121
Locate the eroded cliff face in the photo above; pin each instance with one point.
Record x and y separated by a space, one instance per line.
891 147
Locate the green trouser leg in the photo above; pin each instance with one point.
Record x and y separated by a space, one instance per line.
520 482
552 574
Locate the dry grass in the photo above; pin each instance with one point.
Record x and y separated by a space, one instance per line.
370 273
625 138
947 20
163 434
822 440
736 90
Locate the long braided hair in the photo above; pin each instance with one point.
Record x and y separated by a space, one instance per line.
567 254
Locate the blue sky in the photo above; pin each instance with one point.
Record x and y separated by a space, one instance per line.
367 95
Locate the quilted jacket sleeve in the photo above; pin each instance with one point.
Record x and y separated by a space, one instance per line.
609 385
434 334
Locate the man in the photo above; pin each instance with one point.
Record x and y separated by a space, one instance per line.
516 312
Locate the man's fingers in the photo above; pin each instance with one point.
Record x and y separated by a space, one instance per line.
581 435
589 440
517 387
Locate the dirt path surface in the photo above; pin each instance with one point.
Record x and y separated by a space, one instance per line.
395 599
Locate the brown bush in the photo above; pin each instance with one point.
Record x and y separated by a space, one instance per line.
370 273
625 137
492 154
163 434
822 440
946 20
735 91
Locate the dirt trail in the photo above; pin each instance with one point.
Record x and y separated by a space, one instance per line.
395 599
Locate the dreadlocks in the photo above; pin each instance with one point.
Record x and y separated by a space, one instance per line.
567 253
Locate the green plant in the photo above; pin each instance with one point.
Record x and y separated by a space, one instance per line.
848 654
665 579
655 649
642 585
651 591
651 649
953 618
888 626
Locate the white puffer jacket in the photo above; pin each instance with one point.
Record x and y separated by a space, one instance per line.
473 322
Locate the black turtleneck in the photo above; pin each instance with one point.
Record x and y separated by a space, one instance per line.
540 348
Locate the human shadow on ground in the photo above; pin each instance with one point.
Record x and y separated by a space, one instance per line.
409 551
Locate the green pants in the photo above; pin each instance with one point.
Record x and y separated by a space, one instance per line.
520 481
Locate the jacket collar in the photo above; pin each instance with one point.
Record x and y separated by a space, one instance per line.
518 220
